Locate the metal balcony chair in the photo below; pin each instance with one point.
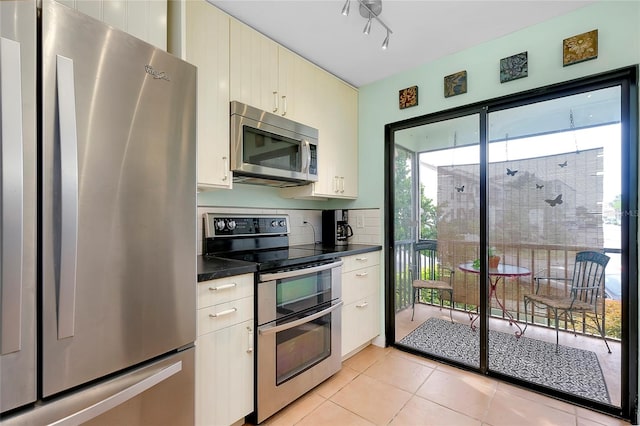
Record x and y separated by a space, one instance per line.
443 284
586 295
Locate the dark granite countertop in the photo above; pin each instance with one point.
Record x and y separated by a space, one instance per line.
348 250
211 268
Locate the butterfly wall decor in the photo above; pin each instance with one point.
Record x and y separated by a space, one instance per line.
460 188
511 172
555 201
563 164
539 186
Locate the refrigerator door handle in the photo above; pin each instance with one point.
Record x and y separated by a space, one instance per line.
69 196
120 398
12 195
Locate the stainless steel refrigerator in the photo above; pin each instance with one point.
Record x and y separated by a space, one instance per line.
98 223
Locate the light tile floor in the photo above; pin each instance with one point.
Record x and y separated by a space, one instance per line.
385 386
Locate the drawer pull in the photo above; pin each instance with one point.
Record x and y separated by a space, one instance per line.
223 313
362 274
362 259
250 347
363 305
223 287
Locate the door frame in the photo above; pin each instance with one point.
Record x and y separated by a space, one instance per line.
627 79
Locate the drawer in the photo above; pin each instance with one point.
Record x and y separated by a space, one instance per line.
359 283
224 315
224 289
351 263
360 323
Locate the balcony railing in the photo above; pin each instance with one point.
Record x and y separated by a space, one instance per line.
420 260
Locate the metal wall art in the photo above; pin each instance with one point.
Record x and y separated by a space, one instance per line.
580 48
455 84
408 97
514 67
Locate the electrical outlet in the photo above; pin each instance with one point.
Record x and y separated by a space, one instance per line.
360 221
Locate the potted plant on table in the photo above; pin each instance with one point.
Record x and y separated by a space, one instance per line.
494 259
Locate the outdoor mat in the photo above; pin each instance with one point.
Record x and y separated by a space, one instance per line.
571 370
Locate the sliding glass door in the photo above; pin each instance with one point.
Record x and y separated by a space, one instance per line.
514 231
554 190
441 298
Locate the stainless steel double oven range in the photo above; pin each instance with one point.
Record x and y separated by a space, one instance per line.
297 305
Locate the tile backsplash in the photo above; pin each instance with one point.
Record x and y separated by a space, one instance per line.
306 225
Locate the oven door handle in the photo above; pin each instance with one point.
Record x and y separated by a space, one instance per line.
298 272
268 329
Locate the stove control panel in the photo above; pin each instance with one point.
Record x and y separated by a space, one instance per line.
221 225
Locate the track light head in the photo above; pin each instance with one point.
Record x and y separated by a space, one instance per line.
367 27
345 8
385 43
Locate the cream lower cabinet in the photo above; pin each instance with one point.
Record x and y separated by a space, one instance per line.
361 297
224 350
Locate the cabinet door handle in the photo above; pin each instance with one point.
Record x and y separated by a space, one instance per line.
223 287
362 259
363 305
336 184
225 167
284 106
362 274
275 101
250 336
341 184
223 313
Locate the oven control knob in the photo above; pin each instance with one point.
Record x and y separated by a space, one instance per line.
231 224
274 223
220 224
282 223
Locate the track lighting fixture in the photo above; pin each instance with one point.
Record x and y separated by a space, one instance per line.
370 9
345 8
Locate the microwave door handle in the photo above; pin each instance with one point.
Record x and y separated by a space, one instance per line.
298 272
307 166
68 196
305 157
266 330
12 195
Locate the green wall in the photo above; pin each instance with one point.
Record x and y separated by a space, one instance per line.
618 25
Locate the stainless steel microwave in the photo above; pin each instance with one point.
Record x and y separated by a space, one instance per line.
271 150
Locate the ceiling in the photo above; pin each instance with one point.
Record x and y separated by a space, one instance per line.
422 30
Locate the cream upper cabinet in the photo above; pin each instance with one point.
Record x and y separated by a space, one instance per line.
340 137
335 107
254 69
206 45
144 19
270 77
